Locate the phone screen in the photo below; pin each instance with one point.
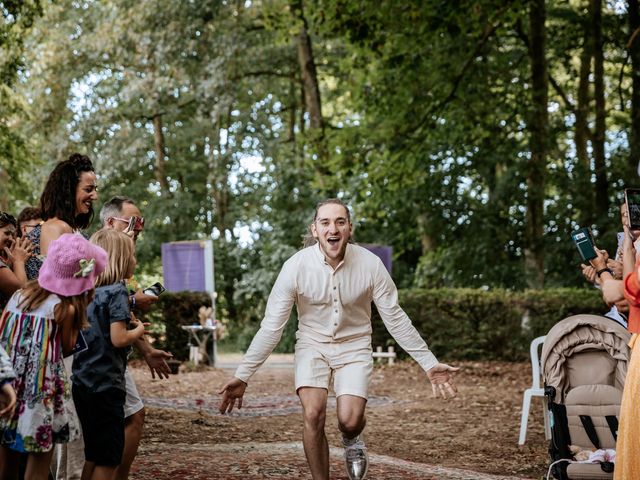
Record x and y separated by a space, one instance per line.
632 198
584 241
156 289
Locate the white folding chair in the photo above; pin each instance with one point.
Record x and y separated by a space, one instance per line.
535 390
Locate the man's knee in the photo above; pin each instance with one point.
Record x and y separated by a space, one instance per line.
351 418
352 425
314 417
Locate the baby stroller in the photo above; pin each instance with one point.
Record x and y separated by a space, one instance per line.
584 364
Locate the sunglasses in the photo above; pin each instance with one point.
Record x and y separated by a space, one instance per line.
135 223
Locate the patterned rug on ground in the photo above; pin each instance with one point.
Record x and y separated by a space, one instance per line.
272 461
253 406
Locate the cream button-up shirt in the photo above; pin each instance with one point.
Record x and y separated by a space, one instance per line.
334 306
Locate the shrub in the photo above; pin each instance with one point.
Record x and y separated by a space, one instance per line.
496 324
457 323
171 312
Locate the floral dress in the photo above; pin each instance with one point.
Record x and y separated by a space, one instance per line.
44 412
33 264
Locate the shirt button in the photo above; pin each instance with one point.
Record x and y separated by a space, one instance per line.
336 311
335 288
336 324
335 299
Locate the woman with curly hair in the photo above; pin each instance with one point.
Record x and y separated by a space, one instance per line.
66 206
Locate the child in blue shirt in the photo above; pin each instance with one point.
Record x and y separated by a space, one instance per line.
98 371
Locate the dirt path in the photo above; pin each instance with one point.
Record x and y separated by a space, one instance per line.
409 434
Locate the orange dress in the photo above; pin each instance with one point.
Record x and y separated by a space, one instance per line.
628 443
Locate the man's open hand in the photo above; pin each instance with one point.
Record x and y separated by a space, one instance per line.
441 378
233 390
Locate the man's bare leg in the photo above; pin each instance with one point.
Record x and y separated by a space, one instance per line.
132 434
351 422
351 419
316 447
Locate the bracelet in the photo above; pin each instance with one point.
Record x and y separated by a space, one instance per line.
132 300
601 271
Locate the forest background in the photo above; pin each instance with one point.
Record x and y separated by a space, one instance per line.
471 136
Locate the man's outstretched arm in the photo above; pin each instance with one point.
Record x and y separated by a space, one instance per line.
277 313
385 296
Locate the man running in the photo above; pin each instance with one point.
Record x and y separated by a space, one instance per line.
332 283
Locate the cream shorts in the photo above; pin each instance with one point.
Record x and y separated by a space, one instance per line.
349 364
133 401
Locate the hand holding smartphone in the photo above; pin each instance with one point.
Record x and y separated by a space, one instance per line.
632 200
156 289
583 240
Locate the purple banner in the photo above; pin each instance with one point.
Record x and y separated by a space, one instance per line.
185 266
383 252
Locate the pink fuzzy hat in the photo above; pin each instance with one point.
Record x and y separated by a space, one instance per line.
72 265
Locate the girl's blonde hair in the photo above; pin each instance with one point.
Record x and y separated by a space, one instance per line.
33 295
121 252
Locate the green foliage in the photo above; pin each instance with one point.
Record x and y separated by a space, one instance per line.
477 324
196 110
459 324
16 156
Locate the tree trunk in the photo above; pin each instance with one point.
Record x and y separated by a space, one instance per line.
582 110
583 188
634 52
426 240
309 73
602 184
538 128
311 95
159 148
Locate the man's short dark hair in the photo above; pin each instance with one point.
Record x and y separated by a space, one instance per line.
113 208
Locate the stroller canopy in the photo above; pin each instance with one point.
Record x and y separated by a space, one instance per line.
581 346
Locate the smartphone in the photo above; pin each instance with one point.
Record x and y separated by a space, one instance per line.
132 223
584 241
632 199
156 289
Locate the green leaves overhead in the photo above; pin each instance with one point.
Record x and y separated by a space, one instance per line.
201 112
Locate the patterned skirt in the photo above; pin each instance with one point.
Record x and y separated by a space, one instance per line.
44 412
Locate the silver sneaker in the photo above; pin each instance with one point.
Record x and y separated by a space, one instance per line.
356 459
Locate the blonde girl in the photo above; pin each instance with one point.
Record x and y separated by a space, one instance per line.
98 372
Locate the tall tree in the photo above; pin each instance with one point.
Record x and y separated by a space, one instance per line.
602 184
633 48
539 141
